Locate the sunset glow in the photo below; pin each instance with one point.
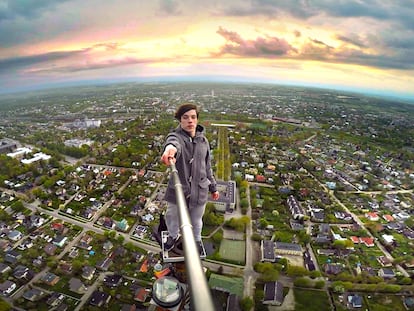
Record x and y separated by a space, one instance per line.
343 44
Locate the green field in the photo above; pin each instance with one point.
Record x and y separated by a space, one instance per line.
311 300
233 250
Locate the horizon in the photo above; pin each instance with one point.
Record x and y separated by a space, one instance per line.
402 98
352 46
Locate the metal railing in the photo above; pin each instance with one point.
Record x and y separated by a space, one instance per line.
200 294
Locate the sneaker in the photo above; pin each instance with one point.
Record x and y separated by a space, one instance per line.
170 243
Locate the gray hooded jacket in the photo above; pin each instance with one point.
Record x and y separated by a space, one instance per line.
193 163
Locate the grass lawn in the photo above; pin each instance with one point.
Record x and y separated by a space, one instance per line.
233 250
382 302
311 300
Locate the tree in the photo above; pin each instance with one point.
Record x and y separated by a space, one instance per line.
217 237
244 203
302 282
293 271
263 223
246 303
319 284
120 239
4 306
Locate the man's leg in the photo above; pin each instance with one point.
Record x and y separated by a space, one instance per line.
173 226
172 221
196 216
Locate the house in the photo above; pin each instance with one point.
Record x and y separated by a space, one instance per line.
395 226
88 272
333 269
268 251
273 293
55 299
323 239
388 218
408 233
106 222
50 279
5 245
354 301
288 249
4 268
355 239
104 264
107 246
50 249
295 225
295 208
99 299
386 273
369 242
60 240
76 286
14 235
233 303
249 177
74 252
7 287
372 216
388 239
113 280
59 228
318 215
65 267
122 225
33 294
141 294
12 257
260 178
384 261
85 242
36 220
23 273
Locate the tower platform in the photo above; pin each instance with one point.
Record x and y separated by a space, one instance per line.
177 253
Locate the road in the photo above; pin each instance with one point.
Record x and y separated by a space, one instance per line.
250 276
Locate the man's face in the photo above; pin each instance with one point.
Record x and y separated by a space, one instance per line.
189 121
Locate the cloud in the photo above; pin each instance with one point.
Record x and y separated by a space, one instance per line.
28 9
70 61
170 7
319 42
15 63
352 39
31 21
317 50
261 47
91 65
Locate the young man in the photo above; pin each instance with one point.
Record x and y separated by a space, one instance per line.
189 149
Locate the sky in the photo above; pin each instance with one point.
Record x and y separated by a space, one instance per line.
357 45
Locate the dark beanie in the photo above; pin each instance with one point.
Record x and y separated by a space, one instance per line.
183 109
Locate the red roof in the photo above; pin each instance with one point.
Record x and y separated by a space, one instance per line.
355 239
367 241
260 178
